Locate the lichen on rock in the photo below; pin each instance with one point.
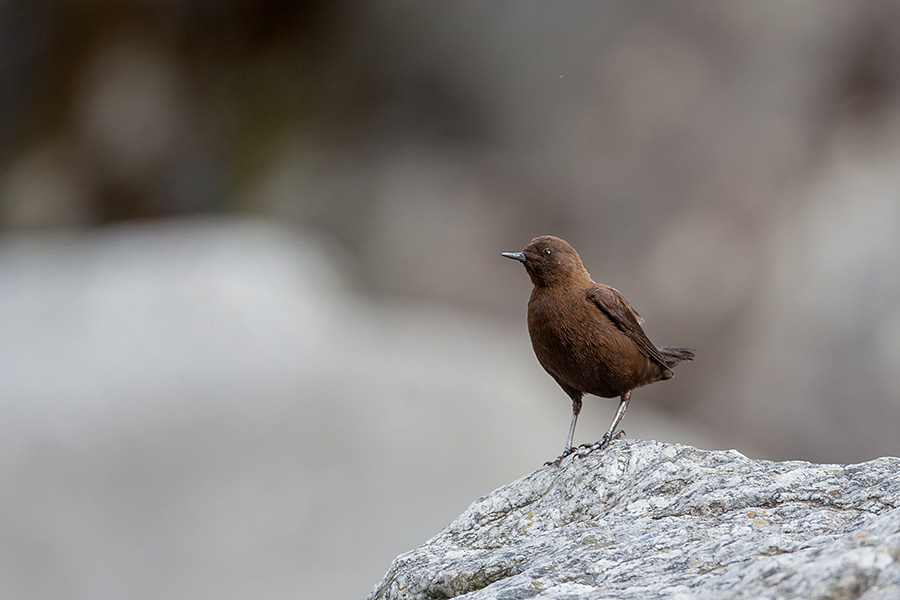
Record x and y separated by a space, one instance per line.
645 519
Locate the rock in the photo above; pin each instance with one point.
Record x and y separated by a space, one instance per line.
646 519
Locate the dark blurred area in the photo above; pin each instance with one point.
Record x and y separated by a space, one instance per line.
257 337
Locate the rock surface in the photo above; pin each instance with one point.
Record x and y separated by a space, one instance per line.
646 520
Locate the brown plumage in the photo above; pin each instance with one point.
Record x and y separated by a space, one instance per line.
585 334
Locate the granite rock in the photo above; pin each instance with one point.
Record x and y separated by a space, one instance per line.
651 520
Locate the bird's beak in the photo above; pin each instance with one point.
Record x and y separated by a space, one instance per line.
519 256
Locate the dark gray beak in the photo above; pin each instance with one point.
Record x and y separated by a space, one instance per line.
519 256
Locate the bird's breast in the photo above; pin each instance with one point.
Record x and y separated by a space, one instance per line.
580 347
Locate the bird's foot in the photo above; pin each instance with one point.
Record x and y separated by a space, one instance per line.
559 459
602 443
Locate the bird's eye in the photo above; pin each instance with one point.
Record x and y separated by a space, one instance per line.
547 251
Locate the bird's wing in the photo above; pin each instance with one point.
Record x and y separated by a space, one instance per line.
614 306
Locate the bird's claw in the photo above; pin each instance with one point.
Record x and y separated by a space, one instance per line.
559 459
602 443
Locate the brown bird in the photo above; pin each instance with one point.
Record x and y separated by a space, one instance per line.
586 336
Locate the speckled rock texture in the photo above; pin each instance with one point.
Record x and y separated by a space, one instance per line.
650 520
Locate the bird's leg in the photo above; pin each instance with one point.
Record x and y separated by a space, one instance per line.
576 408
612 434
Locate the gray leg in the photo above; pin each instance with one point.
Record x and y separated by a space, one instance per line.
620 414
576 408
612 434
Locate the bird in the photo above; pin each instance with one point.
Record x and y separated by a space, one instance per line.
586 335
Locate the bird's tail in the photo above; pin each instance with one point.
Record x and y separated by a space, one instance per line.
672 356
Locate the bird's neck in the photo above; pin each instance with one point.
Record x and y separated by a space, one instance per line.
563 280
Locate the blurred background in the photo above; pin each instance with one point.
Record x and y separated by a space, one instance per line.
256 336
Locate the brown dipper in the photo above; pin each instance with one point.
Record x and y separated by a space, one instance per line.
586 336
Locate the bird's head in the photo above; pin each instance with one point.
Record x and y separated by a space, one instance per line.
550 260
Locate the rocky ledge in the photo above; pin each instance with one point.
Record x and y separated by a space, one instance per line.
651 520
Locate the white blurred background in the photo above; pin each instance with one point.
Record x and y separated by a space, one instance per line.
256 337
